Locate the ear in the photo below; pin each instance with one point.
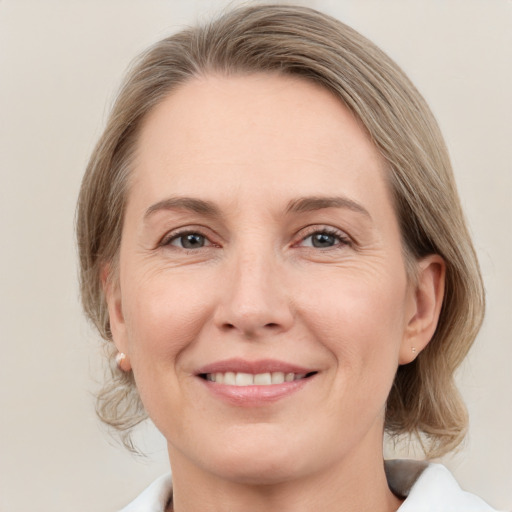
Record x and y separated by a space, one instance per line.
112 291
425 307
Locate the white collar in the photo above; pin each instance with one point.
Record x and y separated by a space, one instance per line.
425 487
430 488
154 498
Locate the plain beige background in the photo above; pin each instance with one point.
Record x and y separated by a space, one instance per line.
60 64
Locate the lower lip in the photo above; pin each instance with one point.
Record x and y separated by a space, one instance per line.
252 396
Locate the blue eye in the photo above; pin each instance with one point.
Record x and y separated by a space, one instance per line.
188 241
324 240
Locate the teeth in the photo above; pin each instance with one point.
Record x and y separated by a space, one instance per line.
248 379
244 379
229 379
277 377
262 379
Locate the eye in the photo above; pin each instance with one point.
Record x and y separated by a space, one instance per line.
189 240
324 239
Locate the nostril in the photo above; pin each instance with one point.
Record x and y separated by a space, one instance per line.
272 325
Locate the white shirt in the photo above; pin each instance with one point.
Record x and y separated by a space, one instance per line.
425 487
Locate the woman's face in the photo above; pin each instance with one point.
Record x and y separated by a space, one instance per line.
262 297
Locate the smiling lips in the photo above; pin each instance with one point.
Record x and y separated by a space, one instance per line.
246 383
248 379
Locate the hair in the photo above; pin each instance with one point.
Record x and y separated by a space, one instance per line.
298 41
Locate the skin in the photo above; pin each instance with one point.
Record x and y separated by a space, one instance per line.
252 147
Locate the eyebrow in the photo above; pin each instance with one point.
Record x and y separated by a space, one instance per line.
307 204
184 203
301 205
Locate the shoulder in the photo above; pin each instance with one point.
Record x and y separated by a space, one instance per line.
430 488
154 498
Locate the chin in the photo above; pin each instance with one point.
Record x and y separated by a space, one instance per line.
258 470
262 458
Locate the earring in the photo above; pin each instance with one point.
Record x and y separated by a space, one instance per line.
123 362
412 348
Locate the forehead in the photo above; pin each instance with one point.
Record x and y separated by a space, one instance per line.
259 131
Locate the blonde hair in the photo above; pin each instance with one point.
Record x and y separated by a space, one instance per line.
302 42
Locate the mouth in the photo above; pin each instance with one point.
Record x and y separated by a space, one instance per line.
243 379
254 383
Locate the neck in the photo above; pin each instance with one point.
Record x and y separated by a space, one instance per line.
356 484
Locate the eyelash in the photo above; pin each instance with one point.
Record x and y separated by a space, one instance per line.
341 238
176 235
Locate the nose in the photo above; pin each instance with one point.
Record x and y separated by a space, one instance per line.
255 301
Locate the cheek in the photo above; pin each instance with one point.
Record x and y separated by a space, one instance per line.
163 319
360 319
163 315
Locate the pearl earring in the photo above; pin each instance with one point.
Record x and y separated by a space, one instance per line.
122 362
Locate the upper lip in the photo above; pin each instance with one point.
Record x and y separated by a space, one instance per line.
255 367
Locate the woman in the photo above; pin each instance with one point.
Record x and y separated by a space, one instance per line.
270 238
